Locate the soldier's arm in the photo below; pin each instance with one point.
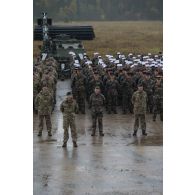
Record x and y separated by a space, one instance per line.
37 100
104 99
90 101
62 107
76 108
133 98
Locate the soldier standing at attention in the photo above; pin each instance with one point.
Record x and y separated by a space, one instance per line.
43 102
97 100
79 84
69 107
139 100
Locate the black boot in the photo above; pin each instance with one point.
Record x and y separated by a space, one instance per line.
101 133
75 144
40 134
144 133
93 133
49 133
64 145
135 133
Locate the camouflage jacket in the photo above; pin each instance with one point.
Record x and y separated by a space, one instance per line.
97 102
69 108
158 94
127 86
139 100
79 82
44 102
112 87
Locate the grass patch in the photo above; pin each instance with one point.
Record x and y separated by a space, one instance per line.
128 36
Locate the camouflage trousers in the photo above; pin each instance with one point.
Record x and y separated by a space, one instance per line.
97 116
158 109
80 98
141 118
48 122
150 103
69 121
111 102
126 103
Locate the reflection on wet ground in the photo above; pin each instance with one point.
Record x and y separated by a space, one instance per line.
114 164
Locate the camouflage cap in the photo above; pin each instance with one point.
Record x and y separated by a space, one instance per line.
97 87
140 85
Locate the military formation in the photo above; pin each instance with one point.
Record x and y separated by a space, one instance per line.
44 91
132 83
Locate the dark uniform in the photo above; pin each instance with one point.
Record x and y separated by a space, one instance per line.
148 86
96 104
158 102
127 92
112 87
78 86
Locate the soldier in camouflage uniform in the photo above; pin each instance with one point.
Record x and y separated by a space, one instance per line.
127 92
96 104
158 100
78 85
43 102
95 81
139 100
112 87
69 107
148 86
36 88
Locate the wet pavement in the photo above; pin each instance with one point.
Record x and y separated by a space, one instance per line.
116 164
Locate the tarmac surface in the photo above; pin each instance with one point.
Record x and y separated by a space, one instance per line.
116 164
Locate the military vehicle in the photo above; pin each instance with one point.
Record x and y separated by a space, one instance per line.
62 42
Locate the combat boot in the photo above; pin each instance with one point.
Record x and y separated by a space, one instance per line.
135 133
49 133
101 134
64 145
144 133
40 134
75 144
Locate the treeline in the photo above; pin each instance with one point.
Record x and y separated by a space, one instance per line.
80 10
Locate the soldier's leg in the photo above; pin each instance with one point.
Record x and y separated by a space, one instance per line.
130 104
124 103
143 124
65 126
82 103
109 103
94 121
41 117
73 131
150 104
48 124
136 124
114 103
161 113
155 112
100 123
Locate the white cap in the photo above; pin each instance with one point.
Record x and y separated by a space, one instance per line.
119 65
116 61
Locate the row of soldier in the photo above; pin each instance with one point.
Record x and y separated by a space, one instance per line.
44 91
100 83
118 81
